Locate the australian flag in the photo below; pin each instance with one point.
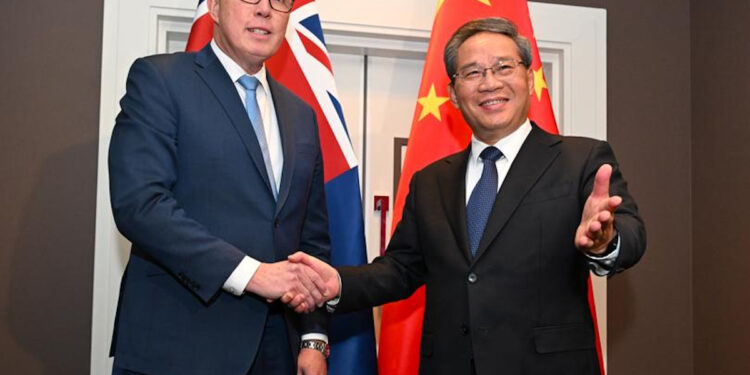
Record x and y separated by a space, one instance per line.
302 65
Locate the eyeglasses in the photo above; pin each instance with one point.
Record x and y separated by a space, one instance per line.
474 74
284 6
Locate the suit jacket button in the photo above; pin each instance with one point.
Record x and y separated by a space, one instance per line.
464 329
472 278
276 223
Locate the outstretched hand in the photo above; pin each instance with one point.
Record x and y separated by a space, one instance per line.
597 227
323 275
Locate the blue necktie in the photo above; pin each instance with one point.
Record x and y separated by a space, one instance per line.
482 198
250 83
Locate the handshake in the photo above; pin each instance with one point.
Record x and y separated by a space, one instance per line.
302 282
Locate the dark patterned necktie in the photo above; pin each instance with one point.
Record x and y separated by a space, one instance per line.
482 198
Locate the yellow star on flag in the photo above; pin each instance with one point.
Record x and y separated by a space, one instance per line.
539 83
431 104
485 2
440 3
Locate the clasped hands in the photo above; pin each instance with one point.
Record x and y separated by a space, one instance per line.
303 282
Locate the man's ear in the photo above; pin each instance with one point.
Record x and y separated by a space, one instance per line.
213 9
452 92
530 79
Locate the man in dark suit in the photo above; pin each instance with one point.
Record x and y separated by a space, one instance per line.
216 177
503 233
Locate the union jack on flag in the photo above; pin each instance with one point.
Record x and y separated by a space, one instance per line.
303 65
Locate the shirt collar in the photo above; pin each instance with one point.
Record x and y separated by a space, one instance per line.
234 70
510 145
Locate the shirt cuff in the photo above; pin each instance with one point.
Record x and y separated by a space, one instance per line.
241 276
603 265
315 336
333 302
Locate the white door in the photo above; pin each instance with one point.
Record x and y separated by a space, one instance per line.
377 56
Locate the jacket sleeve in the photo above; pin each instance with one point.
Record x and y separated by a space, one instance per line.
393 276
628 221
143 171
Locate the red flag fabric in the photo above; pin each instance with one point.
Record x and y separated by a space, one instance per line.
202 30
438 130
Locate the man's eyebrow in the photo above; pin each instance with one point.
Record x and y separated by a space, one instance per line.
495 60
468 65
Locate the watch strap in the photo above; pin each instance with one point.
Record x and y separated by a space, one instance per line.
318 345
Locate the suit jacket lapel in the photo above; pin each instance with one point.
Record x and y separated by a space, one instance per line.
453 193
532 161
216 78
286 119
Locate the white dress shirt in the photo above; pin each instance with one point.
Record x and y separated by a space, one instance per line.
509 146
245 271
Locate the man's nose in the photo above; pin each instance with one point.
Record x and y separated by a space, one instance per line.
489 81
263 8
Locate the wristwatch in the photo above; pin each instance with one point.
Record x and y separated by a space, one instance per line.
318 345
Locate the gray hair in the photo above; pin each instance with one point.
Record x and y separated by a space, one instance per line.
493 25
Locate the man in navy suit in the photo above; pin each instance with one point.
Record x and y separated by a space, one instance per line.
216 177
503 233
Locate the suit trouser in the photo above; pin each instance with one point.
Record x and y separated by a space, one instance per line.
274 356
275 353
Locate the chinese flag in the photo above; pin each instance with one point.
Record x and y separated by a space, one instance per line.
439 130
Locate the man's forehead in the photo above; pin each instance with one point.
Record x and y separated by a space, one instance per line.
486 38
492 46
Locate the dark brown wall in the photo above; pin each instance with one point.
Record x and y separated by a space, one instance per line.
650 307
49 108
648 122
721 182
